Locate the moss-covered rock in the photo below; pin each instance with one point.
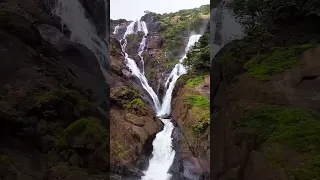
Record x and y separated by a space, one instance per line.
264 66
84 133
284 129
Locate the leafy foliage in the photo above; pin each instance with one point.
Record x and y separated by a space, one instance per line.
199 56
203 121
255 13
177 26
135 104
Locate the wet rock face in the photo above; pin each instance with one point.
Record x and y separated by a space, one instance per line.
155 42
122 27
151 21
96 10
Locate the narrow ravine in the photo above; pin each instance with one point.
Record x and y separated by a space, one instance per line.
163 153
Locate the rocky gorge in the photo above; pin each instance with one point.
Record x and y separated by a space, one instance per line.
159 58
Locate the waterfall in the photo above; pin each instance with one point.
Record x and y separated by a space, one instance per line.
177 71
116 29
83 31
163 153
131 64
143 42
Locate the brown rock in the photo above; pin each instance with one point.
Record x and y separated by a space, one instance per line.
155 42
258 167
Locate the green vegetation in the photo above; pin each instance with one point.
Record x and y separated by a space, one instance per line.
201 108
128 93
203 121
150 73
177 26
171 62
199 101
78 100
263 66
120 151
199 56
297 129
87 133
135 104
308 169
254 13
195 81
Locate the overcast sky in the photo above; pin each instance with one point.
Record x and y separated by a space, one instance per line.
133 9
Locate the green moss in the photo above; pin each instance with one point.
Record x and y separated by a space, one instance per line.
308 168
74 97
121 151
199 101
202 123
128 93
298 129
295 128
263 66
195 81
135 104
88 130
201 111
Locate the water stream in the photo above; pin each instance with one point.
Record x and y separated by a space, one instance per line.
163 153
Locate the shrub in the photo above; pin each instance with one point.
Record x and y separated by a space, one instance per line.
135 104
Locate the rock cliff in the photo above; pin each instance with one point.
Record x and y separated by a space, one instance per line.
53 99
264 103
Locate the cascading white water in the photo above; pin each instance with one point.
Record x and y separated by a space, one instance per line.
143 42
82 30
177 71
163 154
116 29
131 64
